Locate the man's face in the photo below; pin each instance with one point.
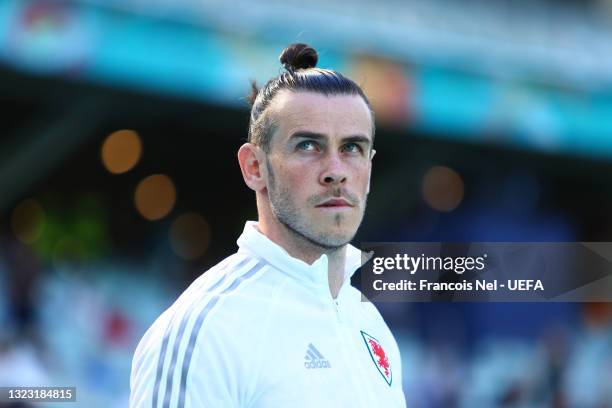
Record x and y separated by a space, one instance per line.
319 165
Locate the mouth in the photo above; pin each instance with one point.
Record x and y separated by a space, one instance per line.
335 203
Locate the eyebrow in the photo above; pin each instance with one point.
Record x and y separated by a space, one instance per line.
304 134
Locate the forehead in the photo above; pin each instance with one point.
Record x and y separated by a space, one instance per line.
334 115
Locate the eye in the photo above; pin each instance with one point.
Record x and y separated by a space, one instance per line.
352 148
308 146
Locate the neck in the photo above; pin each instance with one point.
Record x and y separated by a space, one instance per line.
305 250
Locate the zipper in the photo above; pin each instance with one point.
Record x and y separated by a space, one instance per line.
354 369
337 308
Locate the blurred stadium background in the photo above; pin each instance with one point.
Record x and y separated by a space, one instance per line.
119 183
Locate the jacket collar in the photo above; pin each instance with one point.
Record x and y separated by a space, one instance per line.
257 243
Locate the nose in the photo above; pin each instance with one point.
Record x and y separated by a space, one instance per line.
334 172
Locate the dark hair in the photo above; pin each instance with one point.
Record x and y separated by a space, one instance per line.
299 61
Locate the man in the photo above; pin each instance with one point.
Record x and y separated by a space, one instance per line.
278 324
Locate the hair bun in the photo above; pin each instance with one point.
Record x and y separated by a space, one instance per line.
299 56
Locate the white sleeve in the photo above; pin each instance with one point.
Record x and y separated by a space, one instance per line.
145 364
214 377
207 370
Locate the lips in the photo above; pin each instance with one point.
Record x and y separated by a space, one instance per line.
335 202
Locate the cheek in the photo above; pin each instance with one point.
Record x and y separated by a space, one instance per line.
361 177
293 177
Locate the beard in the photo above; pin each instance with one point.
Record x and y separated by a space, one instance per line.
287 213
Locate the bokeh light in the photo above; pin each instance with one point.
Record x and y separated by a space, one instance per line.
442 188
387 85
190 235
121 151
28 221
155 196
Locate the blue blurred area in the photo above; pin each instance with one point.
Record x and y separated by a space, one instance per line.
548 108
493 124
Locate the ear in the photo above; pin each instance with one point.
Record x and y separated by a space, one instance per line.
250 158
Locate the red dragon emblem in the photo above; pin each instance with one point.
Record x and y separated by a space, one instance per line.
378 356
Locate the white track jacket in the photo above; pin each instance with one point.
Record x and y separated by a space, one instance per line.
261 330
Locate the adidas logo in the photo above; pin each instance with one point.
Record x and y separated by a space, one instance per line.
314 359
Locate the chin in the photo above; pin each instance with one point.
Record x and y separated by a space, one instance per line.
339 237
